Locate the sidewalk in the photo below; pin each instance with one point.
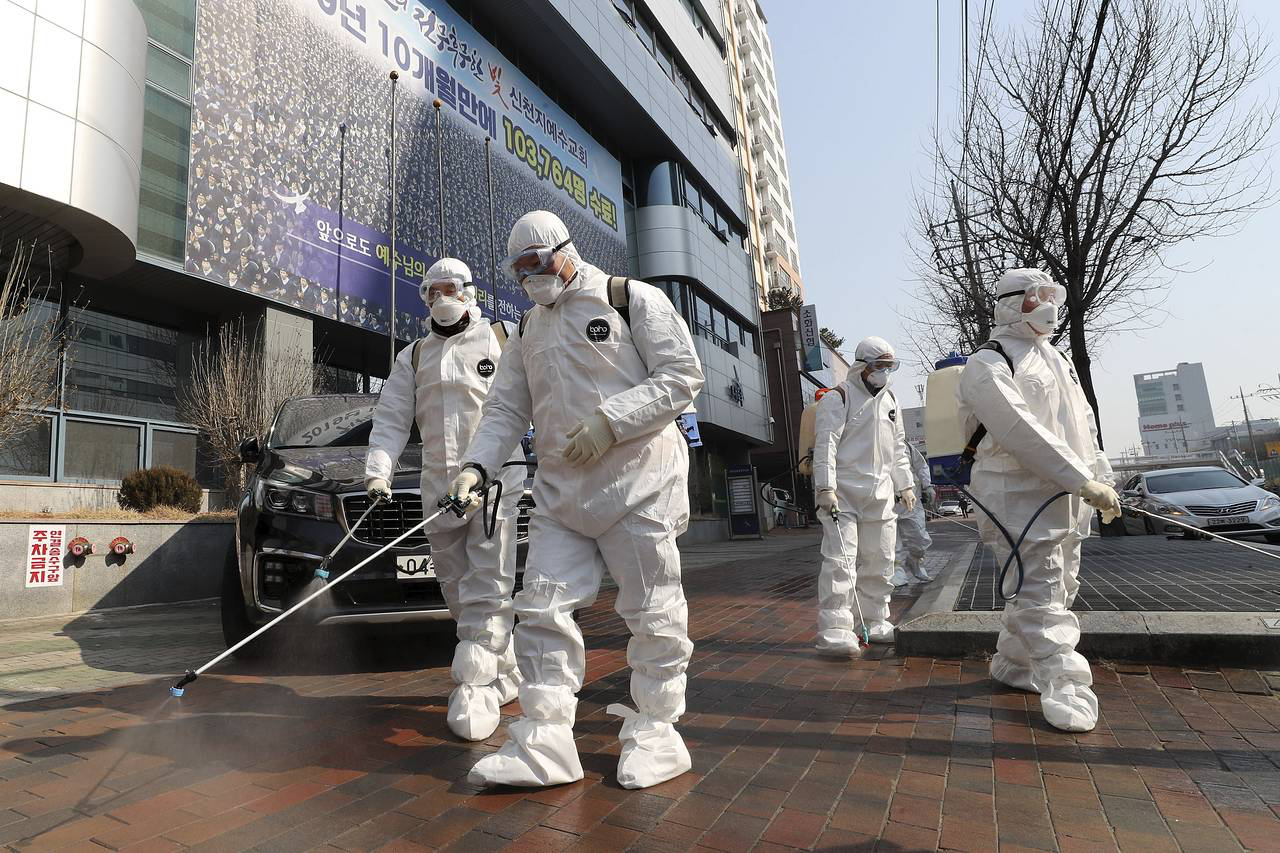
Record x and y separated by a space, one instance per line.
321 749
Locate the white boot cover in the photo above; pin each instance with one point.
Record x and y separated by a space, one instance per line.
539 750
881 632
473 705
1069 705
652 750
839 643
509 678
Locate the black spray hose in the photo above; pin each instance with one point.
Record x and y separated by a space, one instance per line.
491 519
1015 553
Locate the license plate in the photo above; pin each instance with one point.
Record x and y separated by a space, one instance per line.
1230 519
415 568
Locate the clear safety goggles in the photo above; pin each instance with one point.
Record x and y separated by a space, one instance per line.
535 260
1038 294
886 363
444 287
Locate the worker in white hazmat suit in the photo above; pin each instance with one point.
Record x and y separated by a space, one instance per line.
860 469
441 381
913 532
1041 439
603 392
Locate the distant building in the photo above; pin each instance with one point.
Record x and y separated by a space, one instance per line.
1174 412
761 151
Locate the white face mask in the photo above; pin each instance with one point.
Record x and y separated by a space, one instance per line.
543 289
448 310
877 378
1042 319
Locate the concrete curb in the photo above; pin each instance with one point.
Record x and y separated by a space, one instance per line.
932 628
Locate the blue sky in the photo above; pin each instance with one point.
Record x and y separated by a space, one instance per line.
856 87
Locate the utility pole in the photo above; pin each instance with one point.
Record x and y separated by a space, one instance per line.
1253 448
391 325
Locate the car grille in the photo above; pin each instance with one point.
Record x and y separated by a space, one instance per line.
1235 509
387 521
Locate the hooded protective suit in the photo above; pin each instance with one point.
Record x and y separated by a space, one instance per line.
456 368
859 454
1041 439
913 532
573 360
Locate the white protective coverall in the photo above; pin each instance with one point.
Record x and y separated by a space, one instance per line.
860 453
574 359
476 573
1041 439
913 532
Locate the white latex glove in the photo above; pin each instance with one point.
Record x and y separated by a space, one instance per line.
827 502
589 440
463 487
1101 497
908 498
378 489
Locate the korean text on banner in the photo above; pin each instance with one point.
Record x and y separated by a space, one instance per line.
810 341
45 549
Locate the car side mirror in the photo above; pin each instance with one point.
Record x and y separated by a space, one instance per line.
1130 493
1258 481
250 451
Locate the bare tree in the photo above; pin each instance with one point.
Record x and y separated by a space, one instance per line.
237 383
30 342
1089 146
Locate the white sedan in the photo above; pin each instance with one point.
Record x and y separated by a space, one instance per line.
1207 498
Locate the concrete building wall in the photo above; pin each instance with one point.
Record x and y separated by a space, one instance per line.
171 562
605 33
71 91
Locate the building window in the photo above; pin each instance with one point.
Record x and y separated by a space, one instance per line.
166 147
166 126
645 33
171 23
101 451
31 454
122 367
175 449
1181 408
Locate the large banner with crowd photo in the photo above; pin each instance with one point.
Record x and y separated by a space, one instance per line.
289 192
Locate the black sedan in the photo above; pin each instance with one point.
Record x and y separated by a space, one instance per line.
304 493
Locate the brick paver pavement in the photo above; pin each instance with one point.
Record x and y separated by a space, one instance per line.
790 751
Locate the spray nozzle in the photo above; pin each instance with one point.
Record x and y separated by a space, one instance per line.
178 689
322 570
455 504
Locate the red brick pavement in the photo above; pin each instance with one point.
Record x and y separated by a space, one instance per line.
790 751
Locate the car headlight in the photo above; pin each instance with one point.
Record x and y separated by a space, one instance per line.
1272 502
1162 508
277 498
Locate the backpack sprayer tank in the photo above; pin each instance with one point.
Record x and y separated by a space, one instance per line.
944 434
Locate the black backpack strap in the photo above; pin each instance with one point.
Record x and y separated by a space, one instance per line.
620 297
995 346
840 391
524 321
417 355
971 449
500 332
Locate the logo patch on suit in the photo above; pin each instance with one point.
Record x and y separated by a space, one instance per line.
485 368
893 414
598 330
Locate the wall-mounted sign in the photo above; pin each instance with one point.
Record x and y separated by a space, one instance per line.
810 340
45 550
